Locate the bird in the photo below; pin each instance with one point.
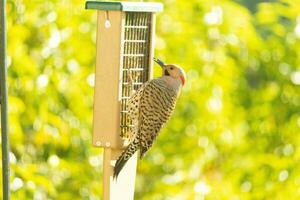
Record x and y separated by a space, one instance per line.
149 108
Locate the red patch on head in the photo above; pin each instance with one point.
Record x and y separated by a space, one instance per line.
182 80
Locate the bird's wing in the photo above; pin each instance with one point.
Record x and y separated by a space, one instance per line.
133 105
134 101
156 106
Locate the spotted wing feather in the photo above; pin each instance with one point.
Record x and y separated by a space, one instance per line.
149 109
133 107
156 106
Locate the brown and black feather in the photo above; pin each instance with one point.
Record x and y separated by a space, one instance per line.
149 108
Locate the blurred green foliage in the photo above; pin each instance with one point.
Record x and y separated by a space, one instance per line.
234 135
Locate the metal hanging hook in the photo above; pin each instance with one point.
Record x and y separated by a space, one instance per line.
107 23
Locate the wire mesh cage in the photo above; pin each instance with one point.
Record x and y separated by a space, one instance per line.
125 34
135 62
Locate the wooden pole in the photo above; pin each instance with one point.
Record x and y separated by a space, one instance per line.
3 100
123 187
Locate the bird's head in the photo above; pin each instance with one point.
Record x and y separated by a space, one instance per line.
172 70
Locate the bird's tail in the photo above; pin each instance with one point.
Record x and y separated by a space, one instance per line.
125 156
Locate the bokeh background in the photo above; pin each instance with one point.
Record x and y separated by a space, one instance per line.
235 134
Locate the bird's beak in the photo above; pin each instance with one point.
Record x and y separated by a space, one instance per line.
161 63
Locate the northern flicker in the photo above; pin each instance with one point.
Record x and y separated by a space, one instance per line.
150 108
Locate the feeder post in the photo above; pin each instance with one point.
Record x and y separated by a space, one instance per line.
125 47
3 101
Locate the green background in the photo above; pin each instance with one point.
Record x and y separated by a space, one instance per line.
235 133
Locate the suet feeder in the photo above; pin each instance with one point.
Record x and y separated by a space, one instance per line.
125 45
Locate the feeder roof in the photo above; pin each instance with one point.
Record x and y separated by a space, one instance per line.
125 6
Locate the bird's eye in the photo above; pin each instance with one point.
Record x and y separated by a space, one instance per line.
171 68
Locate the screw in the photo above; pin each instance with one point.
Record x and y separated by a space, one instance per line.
98 143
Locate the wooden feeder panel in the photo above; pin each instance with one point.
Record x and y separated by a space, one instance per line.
123 50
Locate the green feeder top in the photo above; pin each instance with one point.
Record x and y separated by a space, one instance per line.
125 6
